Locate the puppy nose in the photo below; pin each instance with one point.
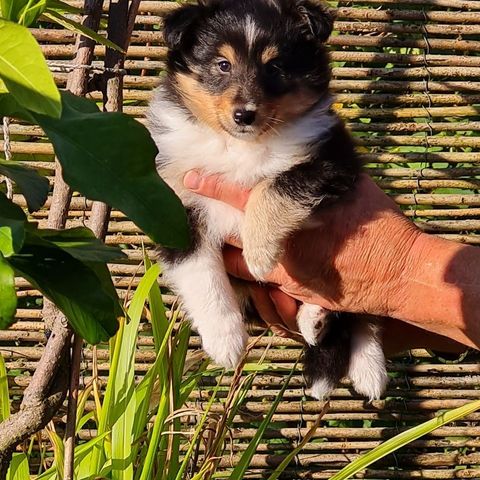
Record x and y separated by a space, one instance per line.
243 116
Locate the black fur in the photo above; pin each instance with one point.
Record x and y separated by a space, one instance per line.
194 33
332 354
331 172
174 255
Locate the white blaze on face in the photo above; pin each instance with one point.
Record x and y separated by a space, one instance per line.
251 31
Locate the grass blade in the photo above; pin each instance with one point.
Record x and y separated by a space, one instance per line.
158 316
4 398
72 25
240 469
117 391
123 411
162 410
286 461
58 450
405 438
198 431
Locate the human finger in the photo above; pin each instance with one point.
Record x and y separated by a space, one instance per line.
234 241
213 186
235 263
266 309
286 308
236 266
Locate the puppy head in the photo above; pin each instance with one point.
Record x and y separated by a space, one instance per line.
247 67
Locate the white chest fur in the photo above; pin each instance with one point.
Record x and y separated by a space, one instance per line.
185 145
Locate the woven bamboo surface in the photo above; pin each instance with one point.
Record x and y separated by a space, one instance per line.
406 78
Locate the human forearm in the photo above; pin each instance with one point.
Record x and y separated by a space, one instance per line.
439 289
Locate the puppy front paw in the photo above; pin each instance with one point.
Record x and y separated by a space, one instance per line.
261 259
225 347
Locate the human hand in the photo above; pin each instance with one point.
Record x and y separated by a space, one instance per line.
352 260
360 257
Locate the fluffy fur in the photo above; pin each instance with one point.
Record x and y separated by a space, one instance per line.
246 97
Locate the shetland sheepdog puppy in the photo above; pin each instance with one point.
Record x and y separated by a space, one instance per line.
246 96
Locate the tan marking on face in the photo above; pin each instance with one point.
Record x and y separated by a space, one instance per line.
213 110
269 53
225 105
228 52
197 100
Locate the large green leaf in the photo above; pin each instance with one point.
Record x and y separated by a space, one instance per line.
9 107
111 157
76 288
8 296
25 72
82 244
33 186
12 227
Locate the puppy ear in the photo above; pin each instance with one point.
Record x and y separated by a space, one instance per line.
178 22
318 18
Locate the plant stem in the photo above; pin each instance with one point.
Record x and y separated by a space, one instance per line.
77 83
72 409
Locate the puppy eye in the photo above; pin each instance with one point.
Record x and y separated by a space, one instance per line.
274 68
224 66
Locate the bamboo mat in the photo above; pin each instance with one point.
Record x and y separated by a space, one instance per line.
406 80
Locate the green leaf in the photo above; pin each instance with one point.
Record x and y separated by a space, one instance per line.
24 12
12 226
77 27
33 186
4 398
9 107
404 438
18 469
32 10
62 7
25 72
111 157
81 243
75 287
8 295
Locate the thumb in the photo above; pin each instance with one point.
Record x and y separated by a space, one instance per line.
214 187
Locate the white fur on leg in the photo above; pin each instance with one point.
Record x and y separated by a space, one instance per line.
321 389
311 322
210 302
367 369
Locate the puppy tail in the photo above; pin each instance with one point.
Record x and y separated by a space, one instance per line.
327 362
